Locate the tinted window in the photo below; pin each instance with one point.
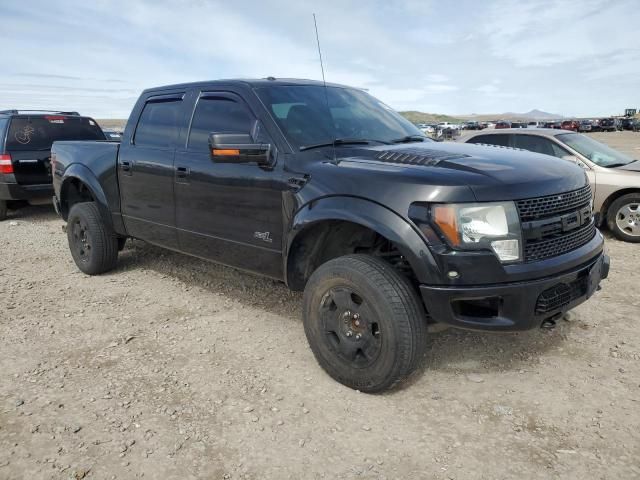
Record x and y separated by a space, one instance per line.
3 126
159 124
218 115
535 144
500 140
311 115
38 133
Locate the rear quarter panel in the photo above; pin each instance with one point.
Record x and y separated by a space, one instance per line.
93 163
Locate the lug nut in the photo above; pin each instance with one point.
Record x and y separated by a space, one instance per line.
349 333
358 336
357 323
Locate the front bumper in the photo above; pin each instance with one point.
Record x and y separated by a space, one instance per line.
15 191
514 306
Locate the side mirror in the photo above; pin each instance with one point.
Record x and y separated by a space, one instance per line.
238 148
576 160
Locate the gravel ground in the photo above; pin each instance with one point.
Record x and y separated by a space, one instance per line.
170 367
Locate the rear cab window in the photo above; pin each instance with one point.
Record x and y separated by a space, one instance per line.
39 132
160 122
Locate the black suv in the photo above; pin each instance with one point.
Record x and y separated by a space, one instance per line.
25 150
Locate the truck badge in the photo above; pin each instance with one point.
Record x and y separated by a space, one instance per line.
264 236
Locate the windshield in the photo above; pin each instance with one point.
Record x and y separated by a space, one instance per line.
303 116
597 152
39 132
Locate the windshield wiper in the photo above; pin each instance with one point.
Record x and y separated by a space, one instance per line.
341 141
409 138
620 164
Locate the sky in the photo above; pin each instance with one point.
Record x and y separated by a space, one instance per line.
573 58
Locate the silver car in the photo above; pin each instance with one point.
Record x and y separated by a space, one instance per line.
614 177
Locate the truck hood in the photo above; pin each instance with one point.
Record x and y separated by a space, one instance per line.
492 173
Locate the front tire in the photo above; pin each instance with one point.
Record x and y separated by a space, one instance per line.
623 218
93 246
364 322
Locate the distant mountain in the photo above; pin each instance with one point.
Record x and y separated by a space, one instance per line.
535 115
530 115
420 117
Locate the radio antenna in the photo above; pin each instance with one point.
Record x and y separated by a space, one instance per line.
324 83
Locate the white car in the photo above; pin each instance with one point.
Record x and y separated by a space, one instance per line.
452 126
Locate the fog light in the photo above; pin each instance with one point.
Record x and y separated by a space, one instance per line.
507 250
453 274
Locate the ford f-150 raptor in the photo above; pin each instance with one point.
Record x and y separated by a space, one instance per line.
330 191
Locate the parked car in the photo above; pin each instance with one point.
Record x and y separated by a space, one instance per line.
636 125
428 128
332 193
614 176
534 124
25 151
585 126
572 125
471 126
445 125
502 124
608 124
112 134
626 124
518 125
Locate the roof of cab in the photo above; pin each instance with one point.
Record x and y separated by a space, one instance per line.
253 83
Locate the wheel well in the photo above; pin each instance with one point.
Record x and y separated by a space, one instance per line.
73 191
323 241
612 198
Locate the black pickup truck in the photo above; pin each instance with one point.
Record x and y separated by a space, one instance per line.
330 191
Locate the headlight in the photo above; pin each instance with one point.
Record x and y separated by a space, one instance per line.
472 226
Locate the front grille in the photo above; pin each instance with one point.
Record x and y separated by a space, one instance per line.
417 156
560 295
552 205
558 243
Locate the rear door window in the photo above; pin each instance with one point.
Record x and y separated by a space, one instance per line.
38 133
159 124
501 140
534 143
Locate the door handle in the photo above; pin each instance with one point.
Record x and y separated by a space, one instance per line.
126 167
182 172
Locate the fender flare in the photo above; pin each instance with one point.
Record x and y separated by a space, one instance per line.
81 173
373 216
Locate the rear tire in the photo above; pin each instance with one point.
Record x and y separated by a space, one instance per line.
364 322
623 218
94 247
3 210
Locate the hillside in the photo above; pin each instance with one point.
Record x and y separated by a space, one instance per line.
421 117
511 116
112 123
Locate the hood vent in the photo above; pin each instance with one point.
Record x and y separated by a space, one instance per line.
417 156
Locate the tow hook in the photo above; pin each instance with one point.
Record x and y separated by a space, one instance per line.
550 323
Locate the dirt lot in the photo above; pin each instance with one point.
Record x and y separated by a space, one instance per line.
170 367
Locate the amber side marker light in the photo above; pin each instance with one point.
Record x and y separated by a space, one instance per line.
446 218
225 152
